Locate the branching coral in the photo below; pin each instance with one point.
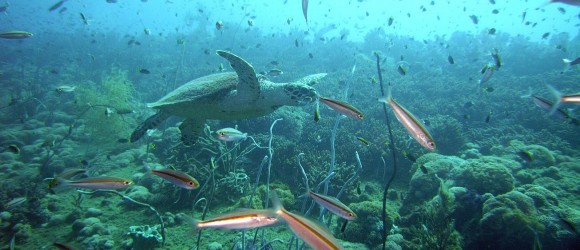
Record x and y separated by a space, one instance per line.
114 94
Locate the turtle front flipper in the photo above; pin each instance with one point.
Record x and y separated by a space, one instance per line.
191 129
248 88
151 123
311 79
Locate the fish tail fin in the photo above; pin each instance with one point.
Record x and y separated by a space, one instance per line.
558 96
384 99
58 184
566 60
529 93
276 203
193 223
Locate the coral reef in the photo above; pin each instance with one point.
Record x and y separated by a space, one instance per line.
144 237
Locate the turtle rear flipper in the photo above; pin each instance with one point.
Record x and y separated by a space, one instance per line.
248 88
191 129
151 123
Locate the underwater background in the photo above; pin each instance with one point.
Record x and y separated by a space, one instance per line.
505 174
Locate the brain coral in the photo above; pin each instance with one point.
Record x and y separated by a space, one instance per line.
488 174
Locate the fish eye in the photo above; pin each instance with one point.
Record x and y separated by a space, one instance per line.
191 183
127 182
350 215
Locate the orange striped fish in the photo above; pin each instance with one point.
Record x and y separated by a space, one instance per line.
414 127
245 219
342 107
333 205
101 182
315 235
178 178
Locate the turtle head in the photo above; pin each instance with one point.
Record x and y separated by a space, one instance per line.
297 94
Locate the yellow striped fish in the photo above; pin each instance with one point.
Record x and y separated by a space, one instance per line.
414 127
316 236
342 107
245 219
101 182
176 177
333 205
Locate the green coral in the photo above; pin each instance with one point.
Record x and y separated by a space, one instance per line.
367 228
488 174
115 91
509 221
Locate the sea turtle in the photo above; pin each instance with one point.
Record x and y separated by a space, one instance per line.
227 96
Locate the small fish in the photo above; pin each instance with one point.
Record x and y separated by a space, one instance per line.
491 31
402 71
296 43
391 20
527 156
84 19
12 148
495 11
123 140
144 71
304 10
342 107
15 202
450 60
474 19
310 55
84 162
275 72
496 58
488 89
409 156
178 178
56 5
219 25
571 62
309 231
545 35
364 141
250 22
488 117
373 80
101 182
487 70
317 112
109 112
147 31
423 169
231 134
15 35
413 126
65 89
289 20
245 219
333 205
